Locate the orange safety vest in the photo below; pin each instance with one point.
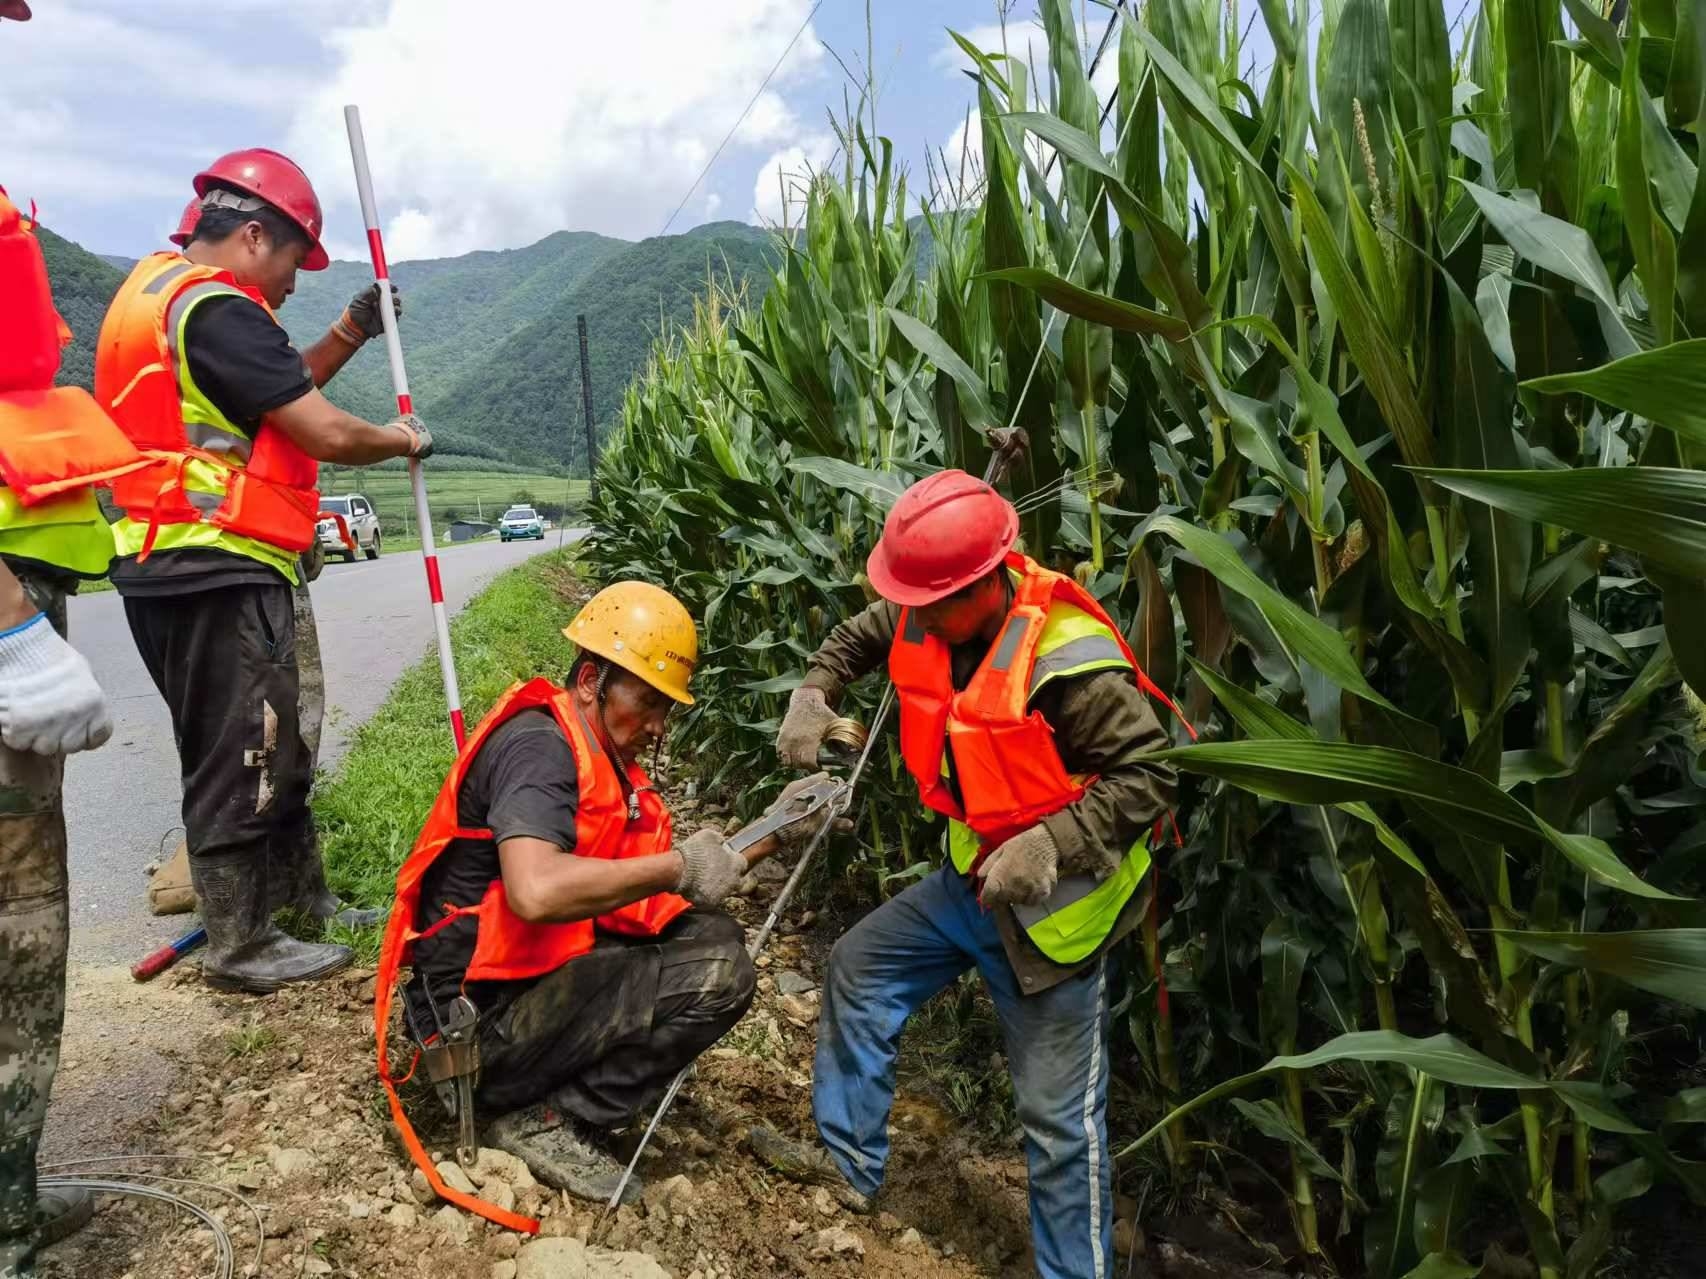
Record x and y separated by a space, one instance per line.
506 947
269 485
54 441
1009 771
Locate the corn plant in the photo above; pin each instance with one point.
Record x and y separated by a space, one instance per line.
1368 390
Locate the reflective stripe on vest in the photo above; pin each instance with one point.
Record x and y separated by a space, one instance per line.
1005 762
209 485
507 947
67 533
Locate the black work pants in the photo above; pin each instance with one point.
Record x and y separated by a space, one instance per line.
225 661
603 1035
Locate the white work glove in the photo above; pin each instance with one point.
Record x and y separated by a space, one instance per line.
710 869
1022 872
803 728
49 700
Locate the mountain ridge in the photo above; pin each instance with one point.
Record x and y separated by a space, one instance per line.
490 335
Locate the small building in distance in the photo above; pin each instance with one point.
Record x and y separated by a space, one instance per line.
470 530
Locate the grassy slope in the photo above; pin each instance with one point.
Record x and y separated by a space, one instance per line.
370 812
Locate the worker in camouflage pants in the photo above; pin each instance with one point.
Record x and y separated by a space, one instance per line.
49 705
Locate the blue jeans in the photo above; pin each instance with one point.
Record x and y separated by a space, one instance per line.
883 970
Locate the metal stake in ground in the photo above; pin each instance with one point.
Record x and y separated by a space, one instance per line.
405 406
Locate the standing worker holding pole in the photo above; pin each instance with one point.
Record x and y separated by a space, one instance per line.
195 369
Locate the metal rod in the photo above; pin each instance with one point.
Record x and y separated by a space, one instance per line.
586 415
756 946
405 406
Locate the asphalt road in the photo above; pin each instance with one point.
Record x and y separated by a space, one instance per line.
122 801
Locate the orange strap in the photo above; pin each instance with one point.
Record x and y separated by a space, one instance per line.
397 935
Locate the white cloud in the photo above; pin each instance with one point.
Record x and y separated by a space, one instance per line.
779 194
713 203
495 132
70 47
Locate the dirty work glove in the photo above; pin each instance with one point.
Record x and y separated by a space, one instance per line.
803 727
49 700
361 319
794 838
1021 872
710 869
420 439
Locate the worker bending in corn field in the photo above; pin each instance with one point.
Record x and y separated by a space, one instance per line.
195 369
55 443
548 903
1024 721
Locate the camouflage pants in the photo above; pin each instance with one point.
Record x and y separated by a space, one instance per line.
311 696
34 933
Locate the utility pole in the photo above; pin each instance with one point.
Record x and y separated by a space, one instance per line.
586 416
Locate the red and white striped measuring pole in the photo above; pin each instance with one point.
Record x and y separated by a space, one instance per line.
400 380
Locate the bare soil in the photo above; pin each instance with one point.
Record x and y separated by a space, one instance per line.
276 1102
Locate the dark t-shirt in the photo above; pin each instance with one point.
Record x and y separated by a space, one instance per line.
244 363
522 783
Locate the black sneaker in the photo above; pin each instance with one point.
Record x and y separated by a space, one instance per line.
562 1152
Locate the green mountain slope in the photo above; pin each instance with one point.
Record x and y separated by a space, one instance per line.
524 399
83 285
456 311
490 336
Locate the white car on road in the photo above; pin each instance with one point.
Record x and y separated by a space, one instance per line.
349 526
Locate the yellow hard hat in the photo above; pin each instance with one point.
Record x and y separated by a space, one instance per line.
644 630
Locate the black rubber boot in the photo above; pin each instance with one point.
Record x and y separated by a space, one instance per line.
245 950
61 1211
299 882
561 1152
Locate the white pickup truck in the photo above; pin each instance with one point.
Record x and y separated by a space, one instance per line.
349 526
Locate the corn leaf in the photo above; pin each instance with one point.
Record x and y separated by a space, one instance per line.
1668 962
974 395
1382 366
1442 1057
1262 719
1667 386
1305 637
1560 247
1098 308
1335 772
1658 511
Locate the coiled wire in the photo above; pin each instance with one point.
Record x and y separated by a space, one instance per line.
151 1186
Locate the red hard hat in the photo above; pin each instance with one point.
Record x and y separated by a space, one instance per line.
945 533
186 224
16 10
276 179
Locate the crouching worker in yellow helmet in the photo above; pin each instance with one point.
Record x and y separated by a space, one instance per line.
549 907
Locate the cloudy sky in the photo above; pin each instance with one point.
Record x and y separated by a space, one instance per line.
490 123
